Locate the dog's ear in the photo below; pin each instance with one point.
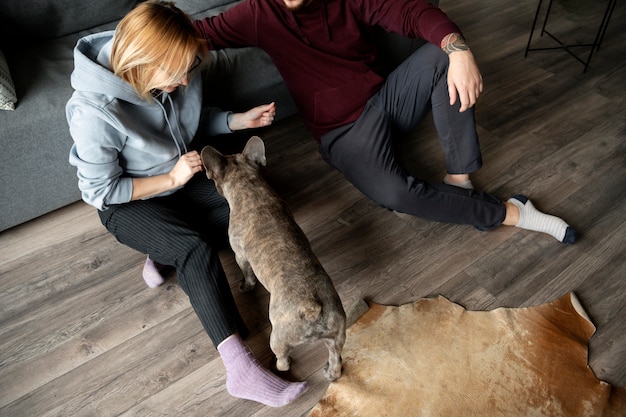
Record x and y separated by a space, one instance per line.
255 151
214 162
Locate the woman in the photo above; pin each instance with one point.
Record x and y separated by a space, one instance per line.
133 115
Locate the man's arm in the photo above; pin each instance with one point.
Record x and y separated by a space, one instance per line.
464 76
453 42
233 28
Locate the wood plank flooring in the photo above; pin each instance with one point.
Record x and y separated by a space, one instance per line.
81 334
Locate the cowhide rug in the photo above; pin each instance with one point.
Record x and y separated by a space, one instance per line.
434 358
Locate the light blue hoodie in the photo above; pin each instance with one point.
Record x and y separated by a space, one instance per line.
119 136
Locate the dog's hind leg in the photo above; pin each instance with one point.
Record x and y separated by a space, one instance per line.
281 349
249 278
335 346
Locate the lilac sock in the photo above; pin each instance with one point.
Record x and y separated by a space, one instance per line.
532 219
246 378
152 273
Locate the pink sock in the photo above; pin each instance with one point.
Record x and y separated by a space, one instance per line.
152 273
246 378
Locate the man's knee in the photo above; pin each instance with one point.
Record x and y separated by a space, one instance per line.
432 54
395 193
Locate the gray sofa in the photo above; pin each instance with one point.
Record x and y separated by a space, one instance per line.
36 175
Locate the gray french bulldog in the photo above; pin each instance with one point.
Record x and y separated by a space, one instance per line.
269 245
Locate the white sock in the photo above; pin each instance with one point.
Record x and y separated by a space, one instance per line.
532 219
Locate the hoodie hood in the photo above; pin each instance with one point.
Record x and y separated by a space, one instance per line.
92 70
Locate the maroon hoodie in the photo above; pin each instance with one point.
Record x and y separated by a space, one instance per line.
324 51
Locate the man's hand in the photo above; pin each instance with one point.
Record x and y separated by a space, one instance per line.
464 77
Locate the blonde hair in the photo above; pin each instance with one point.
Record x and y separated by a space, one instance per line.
155 35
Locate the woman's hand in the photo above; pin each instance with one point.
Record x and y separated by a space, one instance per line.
187 166
259 116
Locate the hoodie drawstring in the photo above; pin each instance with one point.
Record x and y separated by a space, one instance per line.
325 20
175 137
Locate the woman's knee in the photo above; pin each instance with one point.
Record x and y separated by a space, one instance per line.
198 265
191 250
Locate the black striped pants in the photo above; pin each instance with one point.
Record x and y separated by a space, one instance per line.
185 230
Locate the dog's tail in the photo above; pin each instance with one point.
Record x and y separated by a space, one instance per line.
310 310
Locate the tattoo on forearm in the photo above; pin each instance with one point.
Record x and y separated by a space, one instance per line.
454 42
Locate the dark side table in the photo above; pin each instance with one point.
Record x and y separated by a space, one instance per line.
569 48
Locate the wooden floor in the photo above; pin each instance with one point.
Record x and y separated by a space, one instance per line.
81 334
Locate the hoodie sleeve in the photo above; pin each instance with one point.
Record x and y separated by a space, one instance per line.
232 28
411 18
214 121
95 154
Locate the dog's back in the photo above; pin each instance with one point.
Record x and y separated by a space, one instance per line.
269 245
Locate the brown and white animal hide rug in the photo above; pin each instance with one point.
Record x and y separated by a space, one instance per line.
434 358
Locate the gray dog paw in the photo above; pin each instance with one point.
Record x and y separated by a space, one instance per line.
332 373
245 286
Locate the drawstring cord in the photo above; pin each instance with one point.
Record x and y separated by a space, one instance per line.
325 20
169 125
177 126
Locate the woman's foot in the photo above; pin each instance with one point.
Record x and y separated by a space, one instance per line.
246 378
152 273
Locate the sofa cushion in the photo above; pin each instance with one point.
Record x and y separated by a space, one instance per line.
232 82
42 19
193 7
232 78
35 137
7 88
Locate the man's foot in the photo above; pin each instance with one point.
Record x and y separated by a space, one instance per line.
152 273
532 219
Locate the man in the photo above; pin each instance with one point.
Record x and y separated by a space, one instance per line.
325 54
